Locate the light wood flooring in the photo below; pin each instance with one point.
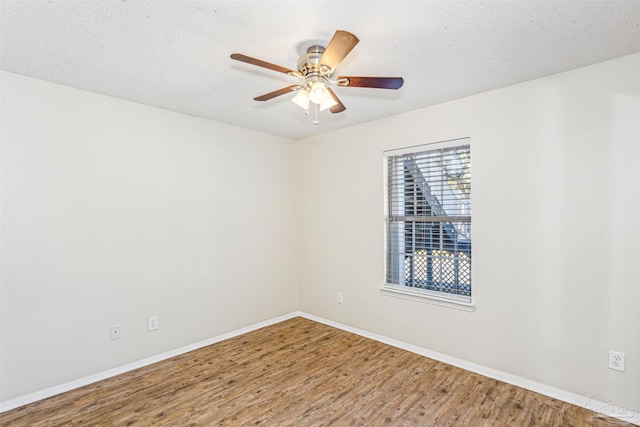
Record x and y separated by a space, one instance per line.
299 373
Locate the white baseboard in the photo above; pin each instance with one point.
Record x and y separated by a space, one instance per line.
81 382
596 403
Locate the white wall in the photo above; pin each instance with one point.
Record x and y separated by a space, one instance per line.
556 241
114 211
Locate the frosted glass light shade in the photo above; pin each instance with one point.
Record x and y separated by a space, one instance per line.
318 93
302 99
328 103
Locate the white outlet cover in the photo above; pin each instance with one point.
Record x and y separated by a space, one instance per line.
114 332
616 360
152 323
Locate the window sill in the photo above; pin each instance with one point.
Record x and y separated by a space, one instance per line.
422 295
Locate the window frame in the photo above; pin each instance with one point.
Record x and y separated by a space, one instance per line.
414 293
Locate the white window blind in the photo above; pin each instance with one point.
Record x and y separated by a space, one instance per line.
428 221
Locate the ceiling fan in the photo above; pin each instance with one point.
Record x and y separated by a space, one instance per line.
317 68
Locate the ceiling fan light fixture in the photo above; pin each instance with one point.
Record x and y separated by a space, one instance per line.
302 99
318 93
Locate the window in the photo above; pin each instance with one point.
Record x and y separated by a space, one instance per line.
428 222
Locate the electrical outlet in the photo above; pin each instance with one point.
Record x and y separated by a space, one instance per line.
114 332
616 360
152 323
339 297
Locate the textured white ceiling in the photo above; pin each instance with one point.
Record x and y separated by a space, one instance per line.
175 54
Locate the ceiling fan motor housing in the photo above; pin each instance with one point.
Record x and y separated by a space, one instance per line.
308 64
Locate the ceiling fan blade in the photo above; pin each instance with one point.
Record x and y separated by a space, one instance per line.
373 82
260 63
338 108
339 47
283 91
